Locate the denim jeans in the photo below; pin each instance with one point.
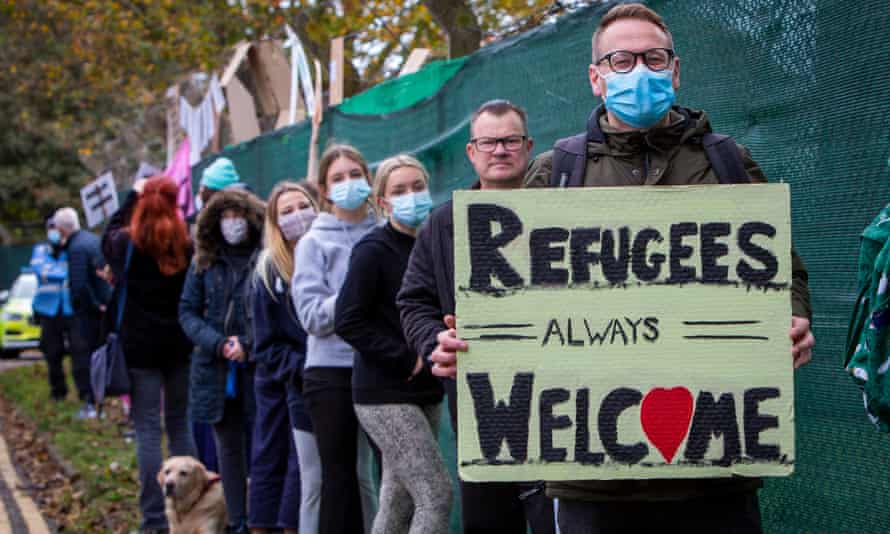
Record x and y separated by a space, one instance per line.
147 386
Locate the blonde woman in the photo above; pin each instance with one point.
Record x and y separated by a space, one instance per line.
397 399
322 259
283 431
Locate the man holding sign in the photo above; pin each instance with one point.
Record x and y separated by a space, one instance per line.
499 150
637 138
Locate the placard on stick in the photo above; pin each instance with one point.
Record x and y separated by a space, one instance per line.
99 199
624 333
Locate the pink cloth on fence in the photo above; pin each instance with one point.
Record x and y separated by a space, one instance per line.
181 172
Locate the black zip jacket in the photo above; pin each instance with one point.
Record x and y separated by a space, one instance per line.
427 293
366 317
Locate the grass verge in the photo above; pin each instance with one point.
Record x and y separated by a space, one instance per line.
102 492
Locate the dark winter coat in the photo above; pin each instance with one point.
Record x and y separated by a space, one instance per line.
150 332
661 156
213 305
88 291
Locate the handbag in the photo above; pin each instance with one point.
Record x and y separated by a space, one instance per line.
109 375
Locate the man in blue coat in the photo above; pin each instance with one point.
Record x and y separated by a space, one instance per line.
89 297
52 306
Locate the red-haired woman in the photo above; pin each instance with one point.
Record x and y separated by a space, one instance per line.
150 231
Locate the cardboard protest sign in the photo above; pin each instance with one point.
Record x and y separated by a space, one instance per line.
99 199
624 333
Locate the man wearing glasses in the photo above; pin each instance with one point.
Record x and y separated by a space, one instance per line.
499 149
638 137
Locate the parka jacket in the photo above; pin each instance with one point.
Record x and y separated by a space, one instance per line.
663 155
666 155
214 303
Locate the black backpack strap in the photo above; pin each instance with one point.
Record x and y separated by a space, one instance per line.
723 154
569 161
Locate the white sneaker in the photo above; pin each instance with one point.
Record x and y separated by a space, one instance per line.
87 412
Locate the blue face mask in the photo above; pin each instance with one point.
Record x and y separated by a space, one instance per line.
350 194
411 209
641 97
54 236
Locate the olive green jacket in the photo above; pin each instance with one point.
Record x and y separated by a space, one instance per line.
661 156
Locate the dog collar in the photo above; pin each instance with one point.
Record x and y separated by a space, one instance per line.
207 485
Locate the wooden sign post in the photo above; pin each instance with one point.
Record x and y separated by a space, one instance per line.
336 70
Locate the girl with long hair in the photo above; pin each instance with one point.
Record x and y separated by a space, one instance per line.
397 399
285 468
322 258
149 230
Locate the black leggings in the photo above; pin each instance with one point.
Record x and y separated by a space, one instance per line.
328 395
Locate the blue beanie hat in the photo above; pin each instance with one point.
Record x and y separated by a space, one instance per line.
220 175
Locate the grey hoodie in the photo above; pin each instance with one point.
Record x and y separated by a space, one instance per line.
320 265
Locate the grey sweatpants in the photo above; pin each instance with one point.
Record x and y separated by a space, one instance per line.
310 480
415 491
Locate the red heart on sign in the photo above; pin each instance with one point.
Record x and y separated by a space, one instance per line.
665 415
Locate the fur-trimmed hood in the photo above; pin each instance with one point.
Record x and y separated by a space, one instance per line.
208 236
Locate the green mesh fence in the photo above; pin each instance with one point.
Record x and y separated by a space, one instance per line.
802 83
12 259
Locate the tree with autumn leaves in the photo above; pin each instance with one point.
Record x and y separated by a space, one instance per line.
83 80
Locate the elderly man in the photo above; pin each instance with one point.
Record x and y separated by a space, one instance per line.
89 297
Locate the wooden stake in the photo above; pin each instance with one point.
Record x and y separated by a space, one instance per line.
415 61
336 80
317 116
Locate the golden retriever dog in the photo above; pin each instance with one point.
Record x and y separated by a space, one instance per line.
194 497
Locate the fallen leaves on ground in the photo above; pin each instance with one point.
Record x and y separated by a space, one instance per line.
81 474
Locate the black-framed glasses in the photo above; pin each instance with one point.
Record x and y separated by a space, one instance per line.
623 61
490 144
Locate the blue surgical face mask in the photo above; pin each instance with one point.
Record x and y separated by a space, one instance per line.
641 97
411 209
350 194
54 236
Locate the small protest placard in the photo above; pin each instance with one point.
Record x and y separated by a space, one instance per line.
624 333
99 199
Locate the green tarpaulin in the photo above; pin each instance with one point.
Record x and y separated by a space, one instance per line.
403 92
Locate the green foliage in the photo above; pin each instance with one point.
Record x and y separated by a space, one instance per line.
78 75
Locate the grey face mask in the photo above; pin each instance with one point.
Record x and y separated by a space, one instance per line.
293 225
234 229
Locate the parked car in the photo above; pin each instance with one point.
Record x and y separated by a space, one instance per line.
19 329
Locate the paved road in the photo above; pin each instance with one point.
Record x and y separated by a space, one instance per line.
25 359
18 513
